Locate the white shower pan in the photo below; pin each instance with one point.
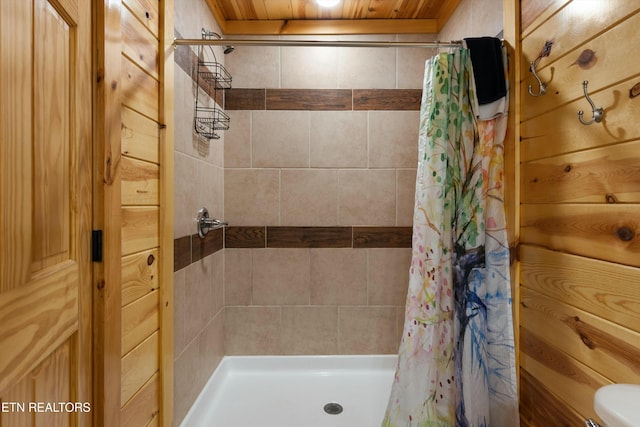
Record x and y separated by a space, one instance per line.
295 391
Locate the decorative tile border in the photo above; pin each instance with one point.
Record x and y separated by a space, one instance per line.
382 237
309 237
212 243
189 249
387 99
318 237
246 99
245 237
324 99
308 99
181 252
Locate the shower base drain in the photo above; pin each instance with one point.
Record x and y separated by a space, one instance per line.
333 408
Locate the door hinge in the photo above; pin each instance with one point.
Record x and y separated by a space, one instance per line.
96 245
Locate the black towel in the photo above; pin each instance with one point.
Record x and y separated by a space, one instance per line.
488 69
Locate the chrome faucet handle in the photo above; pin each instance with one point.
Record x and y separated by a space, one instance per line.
205 223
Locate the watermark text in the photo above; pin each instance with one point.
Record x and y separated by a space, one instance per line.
54 407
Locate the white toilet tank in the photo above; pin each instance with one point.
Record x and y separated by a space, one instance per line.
618 405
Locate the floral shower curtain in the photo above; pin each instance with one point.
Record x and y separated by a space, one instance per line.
456 363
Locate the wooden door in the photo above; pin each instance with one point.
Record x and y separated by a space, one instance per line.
45 212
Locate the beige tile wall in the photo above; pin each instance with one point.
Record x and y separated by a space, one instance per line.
315 301
198 328
371 154
339 165
474 18
198 163
320 168
198 182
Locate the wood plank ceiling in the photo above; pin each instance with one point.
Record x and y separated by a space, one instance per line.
301 17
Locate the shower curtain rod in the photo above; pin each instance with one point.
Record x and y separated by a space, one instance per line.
255 42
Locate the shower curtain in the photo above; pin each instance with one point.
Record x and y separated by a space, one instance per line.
456 362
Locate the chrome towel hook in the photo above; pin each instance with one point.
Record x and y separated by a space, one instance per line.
546 51
543 86
598 112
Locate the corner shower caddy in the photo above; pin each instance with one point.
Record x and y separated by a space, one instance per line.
210 72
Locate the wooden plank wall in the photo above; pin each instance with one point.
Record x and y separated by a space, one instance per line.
580 215
140 212
146 335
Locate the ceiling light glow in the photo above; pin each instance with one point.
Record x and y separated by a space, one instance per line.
327 3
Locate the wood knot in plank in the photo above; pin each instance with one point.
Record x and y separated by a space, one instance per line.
625 234
611 198
587 59
580 328
585 339
150 259
634 91
568 168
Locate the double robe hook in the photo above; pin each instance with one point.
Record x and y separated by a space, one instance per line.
598 112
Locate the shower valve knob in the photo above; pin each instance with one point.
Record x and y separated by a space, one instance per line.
205 223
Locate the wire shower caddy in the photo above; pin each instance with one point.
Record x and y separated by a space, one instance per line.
208 120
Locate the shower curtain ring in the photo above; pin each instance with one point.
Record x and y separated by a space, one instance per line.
598 112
